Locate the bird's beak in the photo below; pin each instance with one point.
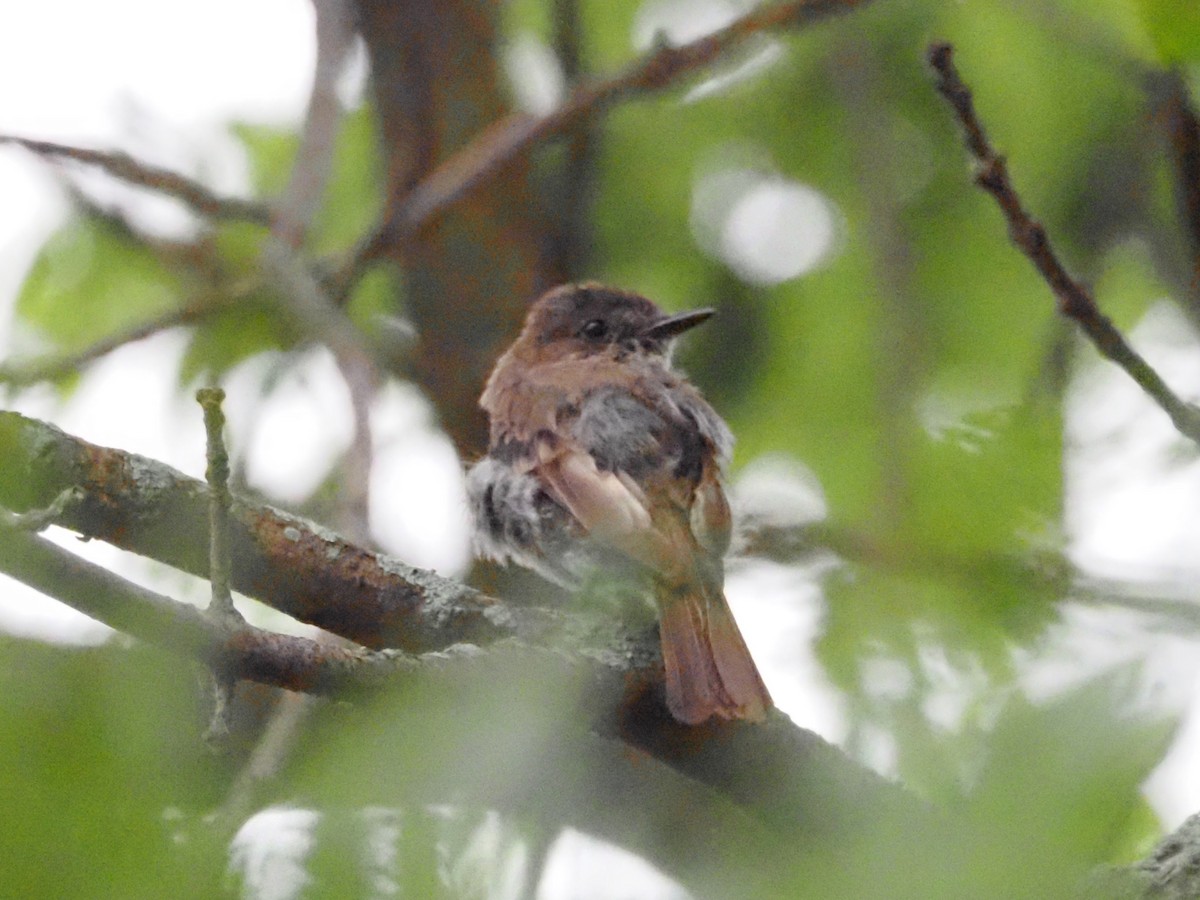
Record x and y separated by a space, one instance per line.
673 326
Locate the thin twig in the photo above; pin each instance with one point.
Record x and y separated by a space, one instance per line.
220 606
303 299
125 167
219 501
1074 300
507 139
351 514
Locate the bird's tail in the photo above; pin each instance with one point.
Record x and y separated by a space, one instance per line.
709 669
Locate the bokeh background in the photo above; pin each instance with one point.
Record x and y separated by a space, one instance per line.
982 576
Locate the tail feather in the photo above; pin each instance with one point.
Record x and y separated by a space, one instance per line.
709 670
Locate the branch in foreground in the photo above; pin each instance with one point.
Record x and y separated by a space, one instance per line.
1074 301
503 141
126 168
796 781
789 777
312 575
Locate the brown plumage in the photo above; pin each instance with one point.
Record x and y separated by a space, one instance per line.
603 457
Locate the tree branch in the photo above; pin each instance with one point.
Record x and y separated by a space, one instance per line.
313 575
48 368
1074 301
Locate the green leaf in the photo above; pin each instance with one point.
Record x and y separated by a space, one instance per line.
270 152
353 194
92 279
251 326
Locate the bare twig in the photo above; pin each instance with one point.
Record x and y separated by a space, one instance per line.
271 751
125 167
352 510
310 172
1074 301
506 140
220 606
303 300
217 474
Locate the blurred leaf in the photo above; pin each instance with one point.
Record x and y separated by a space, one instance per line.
99 753
354 196
92 279
373 301
987 483
269 151
1060 788
221 341
1137 838
1128 284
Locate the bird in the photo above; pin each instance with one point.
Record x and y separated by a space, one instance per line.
604 459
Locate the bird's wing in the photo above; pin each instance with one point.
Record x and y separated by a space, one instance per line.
610 506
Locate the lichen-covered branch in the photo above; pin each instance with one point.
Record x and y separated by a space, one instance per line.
313 575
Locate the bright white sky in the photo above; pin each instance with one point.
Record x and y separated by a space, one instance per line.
138 74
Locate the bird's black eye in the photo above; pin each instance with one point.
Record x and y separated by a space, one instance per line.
594 329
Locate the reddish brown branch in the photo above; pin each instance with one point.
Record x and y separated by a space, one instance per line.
1074 300
125 167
